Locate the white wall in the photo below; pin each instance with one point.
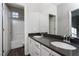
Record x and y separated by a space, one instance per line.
0 29
63 17
42 10
48 8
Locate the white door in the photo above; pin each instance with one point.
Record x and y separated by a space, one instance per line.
6 32
52 25
0 29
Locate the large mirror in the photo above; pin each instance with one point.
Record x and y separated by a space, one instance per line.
75 23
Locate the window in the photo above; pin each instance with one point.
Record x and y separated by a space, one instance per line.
15 14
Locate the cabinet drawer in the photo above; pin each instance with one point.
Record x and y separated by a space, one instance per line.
45 48
45 51
36 44
53 53
34 52
48 52
35 48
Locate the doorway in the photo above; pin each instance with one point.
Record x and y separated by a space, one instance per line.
52 21
13 24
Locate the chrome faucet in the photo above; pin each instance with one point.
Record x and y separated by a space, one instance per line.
67 38
42 34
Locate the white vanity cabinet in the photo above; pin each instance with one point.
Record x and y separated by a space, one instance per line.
37 49
53 53
34 48
47 52
29 45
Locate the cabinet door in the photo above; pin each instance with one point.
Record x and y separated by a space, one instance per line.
44 22
35 48
45 51
29 44
35 52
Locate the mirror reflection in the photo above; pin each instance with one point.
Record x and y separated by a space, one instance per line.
75 23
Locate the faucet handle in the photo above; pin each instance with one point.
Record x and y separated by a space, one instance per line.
67 38
64 39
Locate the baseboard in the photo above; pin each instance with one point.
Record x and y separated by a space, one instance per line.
28 55
16 44
0 53
7 53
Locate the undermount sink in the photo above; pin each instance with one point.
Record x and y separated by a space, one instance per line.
37 36
63 45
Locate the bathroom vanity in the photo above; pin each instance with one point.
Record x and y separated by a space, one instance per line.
41 46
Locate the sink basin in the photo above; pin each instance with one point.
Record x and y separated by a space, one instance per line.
37 36
63 45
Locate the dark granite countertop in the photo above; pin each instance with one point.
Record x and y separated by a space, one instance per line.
47 39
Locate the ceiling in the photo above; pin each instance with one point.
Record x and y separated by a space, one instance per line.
56 4
18 5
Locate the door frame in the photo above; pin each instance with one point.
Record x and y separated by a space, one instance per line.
2 30
55 24
16 5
